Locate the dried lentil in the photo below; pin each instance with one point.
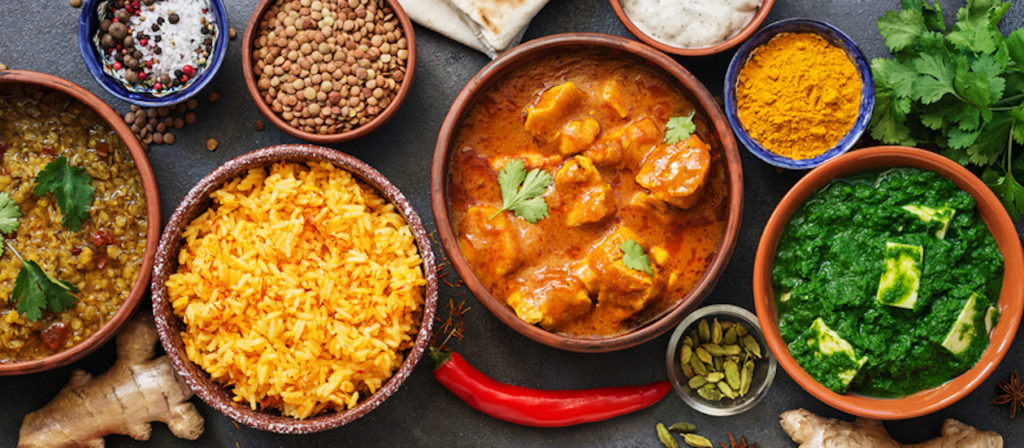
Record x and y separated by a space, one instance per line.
329 66
211 144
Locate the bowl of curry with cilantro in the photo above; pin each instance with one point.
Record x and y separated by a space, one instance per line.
588 190
80 217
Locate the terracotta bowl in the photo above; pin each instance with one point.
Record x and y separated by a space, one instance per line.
742 35
249 39
170 326
565 43
114 120
1011 297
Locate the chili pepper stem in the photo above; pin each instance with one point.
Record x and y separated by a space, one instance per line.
439 356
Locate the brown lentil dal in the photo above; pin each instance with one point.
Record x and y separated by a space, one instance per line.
104 257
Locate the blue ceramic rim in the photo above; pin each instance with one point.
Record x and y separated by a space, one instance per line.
87 25
834 36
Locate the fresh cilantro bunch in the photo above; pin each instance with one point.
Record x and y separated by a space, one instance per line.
960 89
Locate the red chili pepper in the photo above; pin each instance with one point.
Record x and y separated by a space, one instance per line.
540 408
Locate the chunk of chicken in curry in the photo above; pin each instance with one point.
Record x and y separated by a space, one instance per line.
596 123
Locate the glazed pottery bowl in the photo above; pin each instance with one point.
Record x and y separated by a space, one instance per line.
170 326
764 367
249 40
1011 297
89 23
834 36
702 101
732 41
10 78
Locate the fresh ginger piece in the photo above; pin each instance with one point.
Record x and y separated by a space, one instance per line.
812 431
134 392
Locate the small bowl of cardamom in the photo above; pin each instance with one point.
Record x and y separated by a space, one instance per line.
718 361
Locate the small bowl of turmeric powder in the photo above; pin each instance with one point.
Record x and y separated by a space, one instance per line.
799 93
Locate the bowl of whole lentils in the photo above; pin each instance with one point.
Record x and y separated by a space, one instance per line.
328 71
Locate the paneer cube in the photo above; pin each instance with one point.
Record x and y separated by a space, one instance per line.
942 215
838 360
964 329
582 192
676 173
490 245
552 110
902 276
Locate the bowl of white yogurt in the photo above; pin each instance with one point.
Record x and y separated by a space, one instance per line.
694 27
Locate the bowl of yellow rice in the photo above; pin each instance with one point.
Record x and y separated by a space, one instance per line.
294 289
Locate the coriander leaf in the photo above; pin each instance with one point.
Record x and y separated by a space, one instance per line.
967 117
1017 114
886 124
635 258
1015 45
679 128
34 291
1010 192
9 215
71 187
901 28
936 80
992 70
992 142
934 119
521 191
898 76
961 139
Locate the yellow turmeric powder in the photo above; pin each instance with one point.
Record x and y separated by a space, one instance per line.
798 95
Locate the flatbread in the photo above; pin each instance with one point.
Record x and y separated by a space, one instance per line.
500 23
442 17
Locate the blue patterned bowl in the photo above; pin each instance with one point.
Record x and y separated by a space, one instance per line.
88 23
834 36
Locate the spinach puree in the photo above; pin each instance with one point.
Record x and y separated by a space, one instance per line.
902 273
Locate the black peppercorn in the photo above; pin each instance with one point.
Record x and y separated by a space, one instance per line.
173 18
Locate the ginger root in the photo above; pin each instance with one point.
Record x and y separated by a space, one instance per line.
135 391
812 431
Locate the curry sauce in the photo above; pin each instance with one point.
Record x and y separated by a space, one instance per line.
596 123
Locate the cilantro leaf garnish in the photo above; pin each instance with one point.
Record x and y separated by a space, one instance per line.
34 291
679 128
960 89
71 186
521 191
9 216
634 257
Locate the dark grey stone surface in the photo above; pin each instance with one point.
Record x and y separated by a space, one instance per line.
40 35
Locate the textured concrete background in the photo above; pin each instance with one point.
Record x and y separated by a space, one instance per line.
41 35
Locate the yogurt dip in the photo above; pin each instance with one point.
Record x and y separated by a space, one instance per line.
690 23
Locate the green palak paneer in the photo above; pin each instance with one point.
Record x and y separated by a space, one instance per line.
887 283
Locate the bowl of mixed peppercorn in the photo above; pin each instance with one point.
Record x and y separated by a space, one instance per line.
153 52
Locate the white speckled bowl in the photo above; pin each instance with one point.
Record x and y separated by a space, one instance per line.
170 326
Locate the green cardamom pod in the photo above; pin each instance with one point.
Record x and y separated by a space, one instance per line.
703 354
698 366
746 377
740 330
710 392
730 336
697 382
726 390
713 349
715 377
704 331
687 342
751 346
683 427
732 375
731 350
697 441
686 354
687 370
666 437
716 332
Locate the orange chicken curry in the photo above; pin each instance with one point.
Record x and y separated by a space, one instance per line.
631 221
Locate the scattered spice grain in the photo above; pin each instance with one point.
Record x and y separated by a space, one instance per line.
3 66
213 97
211 144
798 95
259 125
232 33
76 3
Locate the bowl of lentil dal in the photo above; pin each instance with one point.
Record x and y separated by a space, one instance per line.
799 93
328 71
107 258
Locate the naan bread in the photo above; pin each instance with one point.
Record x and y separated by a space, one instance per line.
442 17
500 23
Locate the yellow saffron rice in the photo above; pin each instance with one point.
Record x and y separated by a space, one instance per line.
300 288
